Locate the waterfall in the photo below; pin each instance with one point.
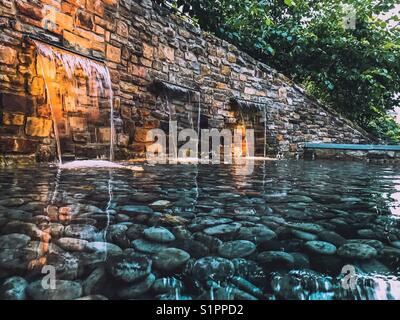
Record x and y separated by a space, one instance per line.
173 154
55 127
265 132
50 59
198 122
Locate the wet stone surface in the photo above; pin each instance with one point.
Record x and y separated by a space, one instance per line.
179 232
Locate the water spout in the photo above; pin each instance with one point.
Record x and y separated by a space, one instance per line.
59 65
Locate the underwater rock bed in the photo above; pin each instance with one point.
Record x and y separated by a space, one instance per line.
175 232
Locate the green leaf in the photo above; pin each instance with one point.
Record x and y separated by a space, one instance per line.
289 2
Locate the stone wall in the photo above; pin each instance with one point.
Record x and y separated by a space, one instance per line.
140 43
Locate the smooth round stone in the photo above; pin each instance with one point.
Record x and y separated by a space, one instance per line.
80 231
332 237
245 211
128 268
321 247
14 241
64 290
276 260
12 202
304 235
67 265
13 288
72 244
215 268
307 227
273 219
95 281
250 270
103 247
236 249
117 234
26 228
258 233
18 215
223 229
170 259
301 260
167 285
195 248
357 251
56 230
159 234
395 244
135 231
211 242
160 204
147 246
367 234
138 289
200 223
136 209
16 260
378 245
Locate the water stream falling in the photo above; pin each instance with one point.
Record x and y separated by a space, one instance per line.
198 121
59 65
265 132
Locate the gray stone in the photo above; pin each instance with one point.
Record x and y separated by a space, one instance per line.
14 241
321 247
332 237
160 204
135 231
236 249
170 259
136 209
72 244
275 260
223 229
307 227
94 282
128 268
304 235
64 290
159 234
357 250
80 231
258 233
103 247
201 223
216 268
147 246
136 290
13 288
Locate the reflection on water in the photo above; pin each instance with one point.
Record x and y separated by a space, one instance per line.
201 232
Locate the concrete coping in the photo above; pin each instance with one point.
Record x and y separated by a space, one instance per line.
365 147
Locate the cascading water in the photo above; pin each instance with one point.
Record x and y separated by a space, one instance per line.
265 132
97 77
173 154
198 121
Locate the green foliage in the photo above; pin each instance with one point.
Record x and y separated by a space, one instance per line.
355 71
385 127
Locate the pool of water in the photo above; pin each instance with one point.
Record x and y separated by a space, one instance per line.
291 230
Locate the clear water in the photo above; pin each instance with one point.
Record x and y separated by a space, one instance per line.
297 200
